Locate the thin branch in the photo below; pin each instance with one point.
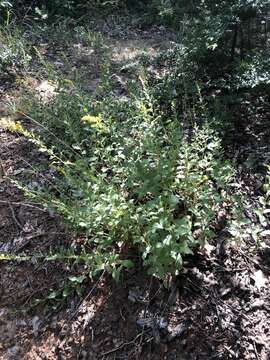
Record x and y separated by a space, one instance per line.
14 217
87 296
21 204
123 345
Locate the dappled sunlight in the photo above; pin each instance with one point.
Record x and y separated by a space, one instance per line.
134 180
123 51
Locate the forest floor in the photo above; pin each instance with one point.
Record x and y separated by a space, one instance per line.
219 308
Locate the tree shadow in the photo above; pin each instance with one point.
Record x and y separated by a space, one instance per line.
222 314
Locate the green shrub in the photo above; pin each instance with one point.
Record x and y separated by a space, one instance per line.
127 179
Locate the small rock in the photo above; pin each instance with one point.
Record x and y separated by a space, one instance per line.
136 295
177 332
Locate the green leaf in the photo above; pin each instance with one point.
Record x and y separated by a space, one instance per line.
183 226
66 292
52 295
116 273
127 264
77 279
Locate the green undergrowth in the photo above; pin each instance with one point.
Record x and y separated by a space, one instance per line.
127 177
14 51
142 175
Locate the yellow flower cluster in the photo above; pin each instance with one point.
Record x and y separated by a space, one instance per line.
95 122
7 123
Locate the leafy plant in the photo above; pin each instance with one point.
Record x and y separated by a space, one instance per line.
14 53
142 184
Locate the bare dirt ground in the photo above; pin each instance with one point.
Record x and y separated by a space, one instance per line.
219 308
